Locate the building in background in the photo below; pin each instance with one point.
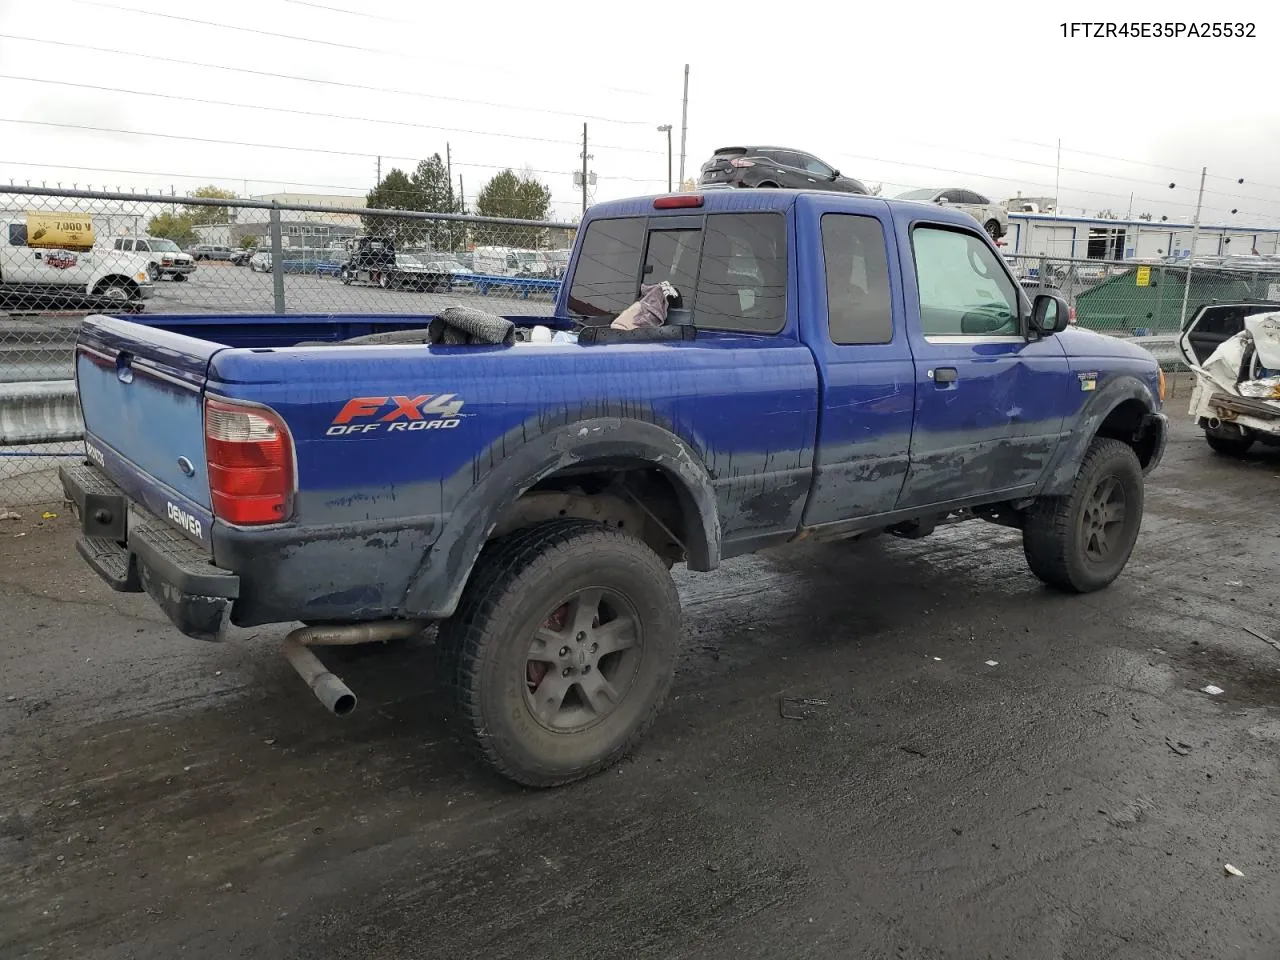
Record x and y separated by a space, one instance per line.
1095 238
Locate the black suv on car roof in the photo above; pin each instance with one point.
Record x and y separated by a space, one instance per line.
780 167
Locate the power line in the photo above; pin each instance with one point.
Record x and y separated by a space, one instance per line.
317 80
314 113
350 13
281 146
1025 183
415 58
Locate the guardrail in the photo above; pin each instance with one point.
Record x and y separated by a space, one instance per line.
43 411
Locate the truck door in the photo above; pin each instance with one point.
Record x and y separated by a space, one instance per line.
989 403
21 263
866 372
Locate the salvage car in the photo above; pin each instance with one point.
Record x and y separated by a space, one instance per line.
779 167
838 367
1233 349
993 217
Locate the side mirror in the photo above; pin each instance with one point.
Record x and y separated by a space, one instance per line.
1050 314
835 174
942 201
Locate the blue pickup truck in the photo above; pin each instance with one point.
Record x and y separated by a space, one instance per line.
842 366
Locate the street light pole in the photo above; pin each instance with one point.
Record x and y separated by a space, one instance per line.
666 128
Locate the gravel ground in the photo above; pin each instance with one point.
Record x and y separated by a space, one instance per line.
998 770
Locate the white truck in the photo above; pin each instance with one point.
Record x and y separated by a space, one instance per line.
164 257
45 260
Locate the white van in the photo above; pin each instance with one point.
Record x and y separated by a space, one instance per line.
511 262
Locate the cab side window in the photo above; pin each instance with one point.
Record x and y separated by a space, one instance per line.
963 289
858 301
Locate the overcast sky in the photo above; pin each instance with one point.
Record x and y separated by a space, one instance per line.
905 95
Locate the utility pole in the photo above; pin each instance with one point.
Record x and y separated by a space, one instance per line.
684 123
462 196
585 158
379 171
448 161
666 128
1195 233
1057 179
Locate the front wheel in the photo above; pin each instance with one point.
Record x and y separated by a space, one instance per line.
993 229
1081 541
562 650
117 292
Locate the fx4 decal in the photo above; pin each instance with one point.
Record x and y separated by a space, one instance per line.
362 415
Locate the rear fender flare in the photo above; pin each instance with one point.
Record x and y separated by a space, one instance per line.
1071 451
436 588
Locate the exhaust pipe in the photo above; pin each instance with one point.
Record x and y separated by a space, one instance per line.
328 688
1215 423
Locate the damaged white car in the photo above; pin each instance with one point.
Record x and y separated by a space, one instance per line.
1234 351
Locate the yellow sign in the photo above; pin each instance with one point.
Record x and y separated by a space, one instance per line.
1144 277
62 231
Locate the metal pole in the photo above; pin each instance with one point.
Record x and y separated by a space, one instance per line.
584 170
668 158
1057 178
666 128
1195 233
684 123
277 259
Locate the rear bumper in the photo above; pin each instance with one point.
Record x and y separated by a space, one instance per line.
134 552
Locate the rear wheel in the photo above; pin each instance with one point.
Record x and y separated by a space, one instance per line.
767 185
1080 542
562 650
1229 444
993 229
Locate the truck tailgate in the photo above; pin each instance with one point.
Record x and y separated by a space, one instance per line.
141 395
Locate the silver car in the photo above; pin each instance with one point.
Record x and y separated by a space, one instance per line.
993 217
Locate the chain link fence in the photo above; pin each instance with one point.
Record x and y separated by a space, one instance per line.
66 254
1148 302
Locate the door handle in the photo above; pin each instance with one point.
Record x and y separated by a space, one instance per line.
944 375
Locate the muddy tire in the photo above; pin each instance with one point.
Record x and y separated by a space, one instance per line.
1081 542
1229 446
562 650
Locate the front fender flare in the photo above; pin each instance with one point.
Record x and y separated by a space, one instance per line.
1071 451
436 588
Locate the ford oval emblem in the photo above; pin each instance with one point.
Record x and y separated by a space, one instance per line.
186 466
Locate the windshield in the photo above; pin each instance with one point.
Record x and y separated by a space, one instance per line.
167 246
917 195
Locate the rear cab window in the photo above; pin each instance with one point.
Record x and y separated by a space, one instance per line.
730 269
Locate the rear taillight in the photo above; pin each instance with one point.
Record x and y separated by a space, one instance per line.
250 457
739 162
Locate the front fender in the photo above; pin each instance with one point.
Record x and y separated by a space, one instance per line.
436 588
1070 453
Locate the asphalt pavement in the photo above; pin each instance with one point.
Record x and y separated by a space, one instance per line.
993 769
